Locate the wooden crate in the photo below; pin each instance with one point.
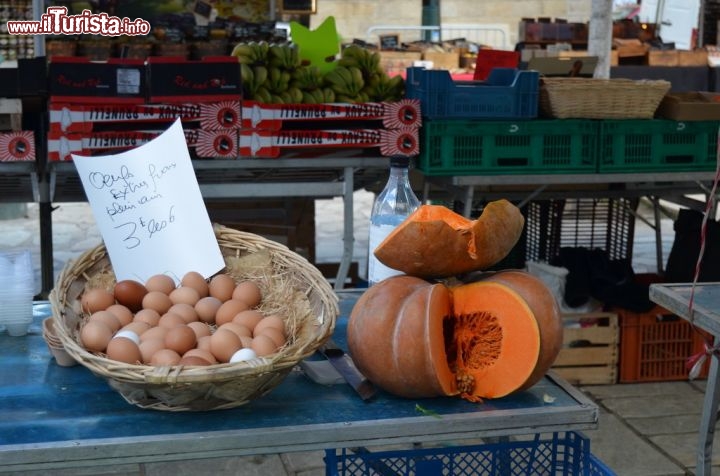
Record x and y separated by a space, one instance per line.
697 57
662 58
589 355
396 62
443 60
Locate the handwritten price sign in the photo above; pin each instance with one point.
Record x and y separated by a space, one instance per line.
149 209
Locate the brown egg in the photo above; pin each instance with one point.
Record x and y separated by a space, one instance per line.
138 327
207 307
180 339
238 329
249 292
184 310
170 320
246 341
263 345
123 313
248 318
201 329
96 299
203 354
228 310
196 281
160 282
223 344
157 301
154 333
130 294
165 357
149 346
184 294
148 316
277 336
123 349
95 336
204 343
222 286
193 361
107 318
270 321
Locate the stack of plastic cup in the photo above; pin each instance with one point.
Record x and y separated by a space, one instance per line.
17 287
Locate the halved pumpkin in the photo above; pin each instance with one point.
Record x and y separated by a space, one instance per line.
479 340
435 242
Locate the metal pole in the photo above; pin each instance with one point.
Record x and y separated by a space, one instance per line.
431 17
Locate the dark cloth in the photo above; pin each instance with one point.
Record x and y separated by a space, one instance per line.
591 273
686 249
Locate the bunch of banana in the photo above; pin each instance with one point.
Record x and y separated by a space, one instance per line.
252 53
284 56
385 88
307 78
347 83
253 78
367 61
318 96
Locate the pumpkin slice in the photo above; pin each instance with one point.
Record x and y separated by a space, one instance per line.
484 339
495 343
435 242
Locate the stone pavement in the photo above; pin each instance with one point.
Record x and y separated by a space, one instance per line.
647 429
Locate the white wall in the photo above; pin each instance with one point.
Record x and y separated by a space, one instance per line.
354 17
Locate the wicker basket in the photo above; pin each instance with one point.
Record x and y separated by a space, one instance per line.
590 98
291 286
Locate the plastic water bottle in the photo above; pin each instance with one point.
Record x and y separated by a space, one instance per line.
396 201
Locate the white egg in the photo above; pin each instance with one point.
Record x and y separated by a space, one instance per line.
129 335
243 355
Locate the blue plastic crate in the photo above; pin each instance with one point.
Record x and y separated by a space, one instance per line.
564 454
507 93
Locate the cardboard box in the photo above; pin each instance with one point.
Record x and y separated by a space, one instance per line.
77 79
442 60
10 114
691 106
589 355
176 80
662 58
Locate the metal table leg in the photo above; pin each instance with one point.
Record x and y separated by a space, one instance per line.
348 229
709 416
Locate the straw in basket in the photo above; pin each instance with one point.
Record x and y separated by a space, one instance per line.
291 286
595 98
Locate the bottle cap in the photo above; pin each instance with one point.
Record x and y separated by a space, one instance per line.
400 161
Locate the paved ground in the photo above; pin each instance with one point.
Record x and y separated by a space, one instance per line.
645 429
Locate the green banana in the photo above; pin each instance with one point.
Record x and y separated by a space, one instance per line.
328 95
260 75
263 95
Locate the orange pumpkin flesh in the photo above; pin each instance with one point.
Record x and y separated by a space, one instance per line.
544 307
435 242
485 339
496 342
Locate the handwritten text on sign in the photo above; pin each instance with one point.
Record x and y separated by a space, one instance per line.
149 209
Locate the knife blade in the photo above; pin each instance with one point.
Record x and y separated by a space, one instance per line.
345 366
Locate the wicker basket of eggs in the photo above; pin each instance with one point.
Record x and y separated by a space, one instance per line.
200 344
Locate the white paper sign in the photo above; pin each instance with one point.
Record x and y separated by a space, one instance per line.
149 209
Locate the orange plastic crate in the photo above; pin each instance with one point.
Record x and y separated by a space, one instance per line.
655 345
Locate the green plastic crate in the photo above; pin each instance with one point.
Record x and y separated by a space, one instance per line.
657 145
466 147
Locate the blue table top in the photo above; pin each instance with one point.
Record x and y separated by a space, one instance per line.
50 413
